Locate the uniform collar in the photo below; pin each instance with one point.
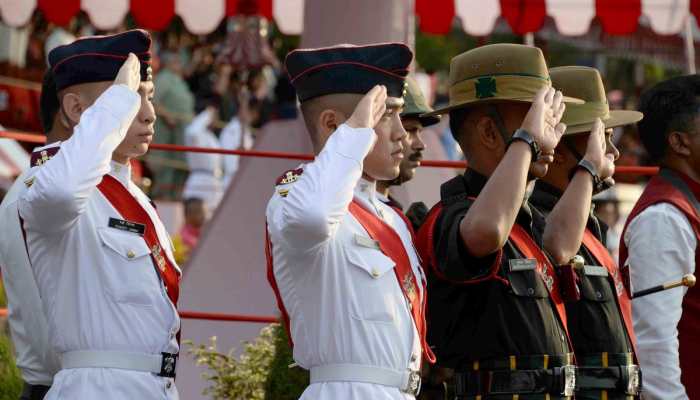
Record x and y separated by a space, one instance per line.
121 172
42 154
545 196
366 190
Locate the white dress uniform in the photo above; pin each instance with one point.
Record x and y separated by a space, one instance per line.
342 295
28 325
206 170
98 284
661 246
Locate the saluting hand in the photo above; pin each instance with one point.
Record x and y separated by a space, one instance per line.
542 120
370 109
596 153
130 73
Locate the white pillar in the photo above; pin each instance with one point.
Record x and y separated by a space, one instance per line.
689 45
329 22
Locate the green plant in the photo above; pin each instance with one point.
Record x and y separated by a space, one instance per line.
261 372
10 378
284 382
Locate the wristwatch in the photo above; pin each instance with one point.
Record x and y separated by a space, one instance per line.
586 165
523 135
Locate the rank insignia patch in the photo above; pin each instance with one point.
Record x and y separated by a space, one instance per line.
290 176
485 87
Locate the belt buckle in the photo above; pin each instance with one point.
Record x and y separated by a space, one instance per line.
414 383
569 376
634 379
168 365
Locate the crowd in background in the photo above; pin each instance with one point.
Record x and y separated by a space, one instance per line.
204 98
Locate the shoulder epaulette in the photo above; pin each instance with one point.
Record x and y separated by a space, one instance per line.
287 178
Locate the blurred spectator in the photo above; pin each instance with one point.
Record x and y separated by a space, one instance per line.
174 104
285 99
238 133
206 170
607 209
196 214
59 36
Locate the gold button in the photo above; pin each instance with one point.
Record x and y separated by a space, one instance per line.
375 272
130 254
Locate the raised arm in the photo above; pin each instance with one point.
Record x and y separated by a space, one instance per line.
320 198
62 186
567 221
487 224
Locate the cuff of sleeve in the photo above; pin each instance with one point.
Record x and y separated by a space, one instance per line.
121 102
353 143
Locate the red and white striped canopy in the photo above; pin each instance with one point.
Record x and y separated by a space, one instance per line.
572 17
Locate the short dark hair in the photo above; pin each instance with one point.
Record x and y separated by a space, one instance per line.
48 102
668 106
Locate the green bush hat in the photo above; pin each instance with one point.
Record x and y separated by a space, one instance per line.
497 72
415 104
586 83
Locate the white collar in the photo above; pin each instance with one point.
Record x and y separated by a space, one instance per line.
366 190
121 172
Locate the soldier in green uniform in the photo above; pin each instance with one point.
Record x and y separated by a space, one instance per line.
597 303
495 315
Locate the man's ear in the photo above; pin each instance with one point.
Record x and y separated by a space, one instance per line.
679 142
71 109
328 121
487 133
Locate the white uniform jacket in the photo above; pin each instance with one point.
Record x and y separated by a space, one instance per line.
342 295
206 170
28 325
98 284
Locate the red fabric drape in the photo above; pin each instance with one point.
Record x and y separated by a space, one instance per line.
153 14
59 12
249 7
619 17
435 16
524 16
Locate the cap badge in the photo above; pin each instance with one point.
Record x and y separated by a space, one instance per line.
485 87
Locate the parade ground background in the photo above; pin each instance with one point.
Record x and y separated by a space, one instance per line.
227 55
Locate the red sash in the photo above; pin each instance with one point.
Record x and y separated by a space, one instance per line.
526 245
624 304
273 283
130 209
391 245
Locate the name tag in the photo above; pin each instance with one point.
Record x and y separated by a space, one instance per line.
594 270
128 226
364 241
522 264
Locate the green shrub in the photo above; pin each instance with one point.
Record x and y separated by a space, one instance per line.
10 378
283 382
261 373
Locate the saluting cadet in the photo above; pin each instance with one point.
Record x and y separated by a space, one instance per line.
348 280
413 146
205 180
660 241
598 307
28 326
101 256
495 314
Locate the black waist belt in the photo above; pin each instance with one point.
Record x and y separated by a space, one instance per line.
624 379
556 381
33 392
